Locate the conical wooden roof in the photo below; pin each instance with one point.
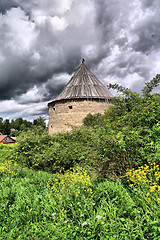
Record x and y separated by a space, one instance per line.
84 84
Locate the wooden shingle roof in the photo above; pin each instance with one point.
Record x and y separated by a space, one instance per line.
84 84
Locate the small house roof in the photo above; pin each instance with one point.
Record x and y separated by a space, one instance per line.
2 137
84 85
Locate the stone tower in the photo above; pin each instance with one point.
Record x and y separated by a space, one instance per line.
83 94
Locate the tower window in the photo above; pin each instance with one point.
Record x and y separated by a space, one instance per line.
54 109
70 107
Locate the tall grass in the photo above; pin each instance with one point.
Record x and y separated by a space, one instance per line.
72 205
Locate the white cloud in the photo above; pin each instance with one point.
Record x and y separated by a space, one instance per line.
48 7
33 95
57 23
17 32
10 109
42 44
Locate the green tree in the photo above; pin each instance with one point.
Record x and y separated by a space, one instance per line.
40 122
6 127
150 85
17 123
1 125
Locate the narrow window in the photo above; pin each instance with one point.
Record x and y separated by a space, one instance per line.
70 107
54 109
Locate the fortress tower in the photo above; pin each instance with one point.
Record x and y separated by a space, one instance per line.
83 94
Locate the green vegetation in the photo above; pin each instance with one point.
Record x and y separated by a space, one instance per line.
40 205
15 127
126 136
100 181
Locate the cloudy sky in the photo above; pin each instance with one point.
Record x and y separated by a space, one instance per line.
42 43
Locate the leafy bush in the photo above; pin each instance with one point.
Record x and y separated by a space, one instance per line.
129 132
30 148
38 150
126 136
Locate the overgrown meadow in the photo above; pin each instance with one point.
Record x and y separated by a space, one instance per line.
100 181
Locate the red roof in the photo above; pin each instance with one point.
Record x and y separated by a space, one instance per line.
2 137
7 140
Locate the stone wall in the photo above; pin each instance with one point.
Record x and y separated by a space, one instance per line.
65 114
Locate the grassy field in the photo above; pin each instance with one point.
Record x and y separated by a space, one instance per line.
72 205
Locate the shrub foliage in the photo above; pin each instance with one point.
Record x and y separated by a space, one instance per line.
40 205
126 136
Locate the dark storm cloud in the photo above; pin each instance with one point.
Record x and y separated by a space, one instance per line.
111 17
54 90
15 76
134 28
42 43
147 29
23 68
51 52
6 4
